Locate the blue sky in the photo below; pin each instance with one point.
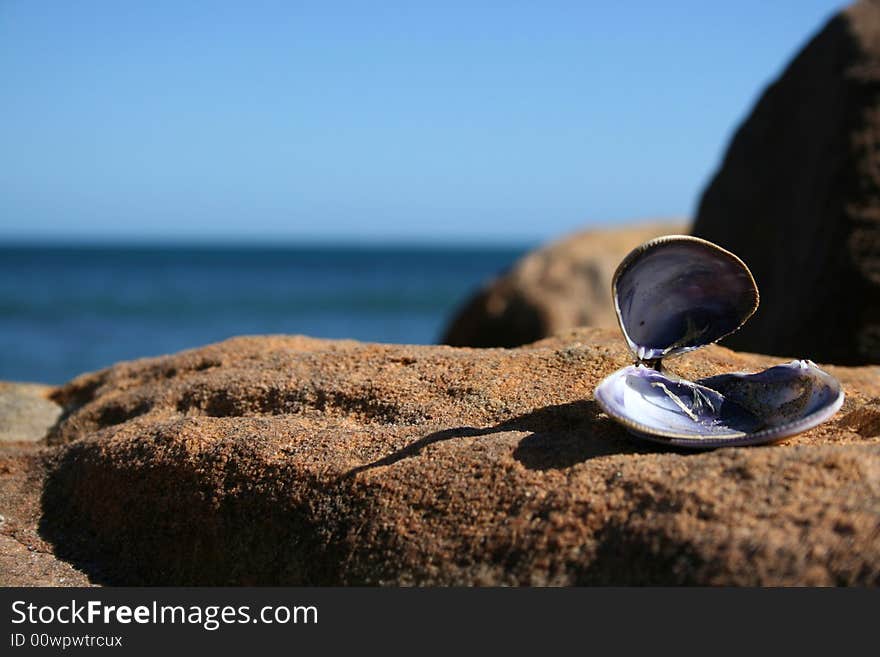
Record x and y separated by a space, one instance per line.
372 121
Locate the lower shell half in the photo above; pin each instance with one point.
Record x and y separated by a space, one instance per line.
720 411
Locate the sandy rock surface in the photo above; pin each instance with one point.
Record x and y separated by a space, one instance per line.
289 460
557 287
26 557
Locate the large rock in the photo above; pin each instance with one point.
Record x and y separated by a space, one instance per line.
289 460
557 287
798 198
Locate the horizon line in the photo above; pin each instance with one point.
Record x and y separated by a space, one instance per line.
267 243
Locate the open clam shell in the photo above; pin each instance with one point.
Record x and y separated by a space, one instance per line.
675 294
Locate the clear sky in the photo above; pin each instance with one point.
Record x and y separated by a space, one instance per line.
372 120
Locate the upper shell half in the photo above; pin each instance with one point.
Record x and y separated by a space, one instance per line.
677 293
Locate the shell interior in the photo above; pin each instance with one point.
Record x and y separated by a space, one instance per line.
678 293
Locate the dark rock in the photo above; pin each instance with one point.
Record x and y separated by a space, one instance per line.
798 199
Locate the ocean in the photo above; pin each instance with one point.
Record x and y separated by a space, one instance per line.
69 310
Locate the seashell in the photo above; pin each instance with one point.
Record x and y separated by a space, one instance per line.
678 293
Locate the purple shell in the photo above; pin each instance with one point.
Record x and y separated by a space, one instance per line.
675 294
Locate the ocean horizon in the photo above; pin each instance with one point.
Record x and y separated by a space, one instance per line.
73 308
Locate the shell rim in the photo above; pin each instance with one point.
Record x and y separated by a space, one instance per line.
625 263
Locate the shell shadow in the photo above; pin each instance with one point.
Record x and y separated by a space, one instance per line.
578 432
561 435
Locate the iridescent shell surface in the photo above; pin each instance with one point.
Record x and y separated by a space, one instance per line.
679 293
